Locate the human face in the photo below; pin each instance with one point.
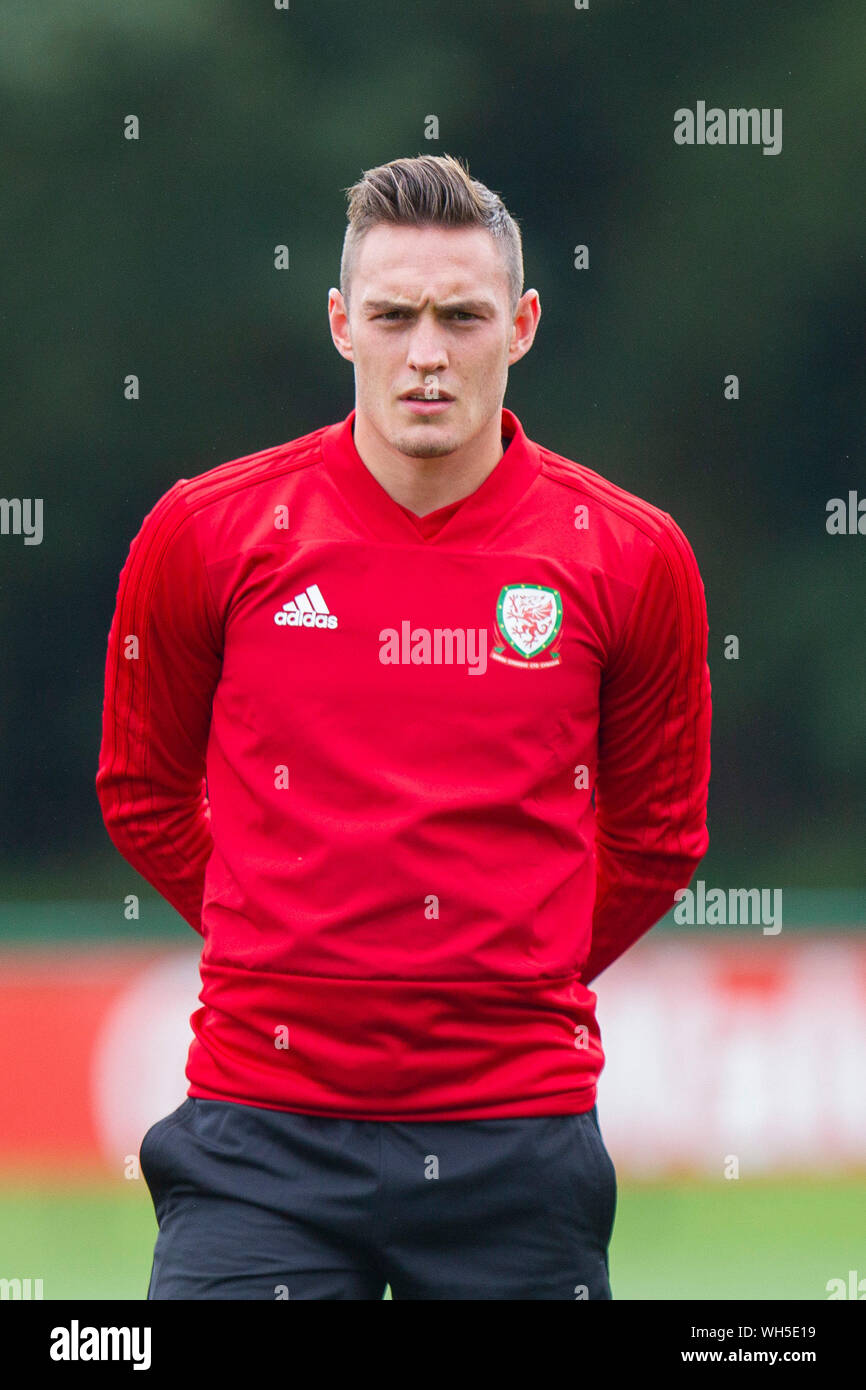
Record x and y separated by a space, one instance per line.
430 313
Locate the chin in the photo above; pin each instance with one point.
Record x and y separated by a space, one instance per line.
428 439
420 448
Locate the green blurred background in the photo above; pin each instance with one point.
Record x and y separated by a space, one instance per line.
155 257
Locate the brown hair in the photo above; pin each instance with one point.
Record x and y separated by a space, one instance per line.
430 190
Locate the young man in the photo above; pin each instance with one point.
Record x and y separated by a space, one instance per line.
409 718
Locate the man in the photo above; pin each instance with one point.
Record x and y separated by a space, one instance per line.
409 718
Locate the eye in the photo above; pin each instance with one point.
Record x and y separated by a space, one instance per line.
393 313
464 314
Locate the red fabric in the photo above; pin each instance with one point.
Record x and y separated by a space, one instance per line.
433 521
394 865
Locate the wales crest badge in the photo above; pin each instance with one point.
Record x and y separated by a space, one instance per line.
529 619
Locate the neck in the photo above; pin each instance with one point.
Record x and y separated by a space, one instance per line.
426 484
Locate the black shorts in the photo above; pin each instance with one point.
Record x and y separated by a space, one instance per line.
270 1204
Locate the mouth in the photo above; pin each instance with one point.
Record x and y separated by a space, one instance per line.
421 404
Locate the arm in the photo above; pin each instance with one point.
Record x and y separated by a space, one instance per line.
654 754
163 664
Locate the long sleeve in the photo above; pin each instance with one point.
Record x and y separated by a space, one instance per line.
163 664
654 754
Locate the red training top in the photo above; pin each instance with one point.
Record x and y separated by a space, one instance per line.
416 781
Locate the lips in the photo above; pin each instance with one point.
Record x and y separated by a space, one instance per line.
422 396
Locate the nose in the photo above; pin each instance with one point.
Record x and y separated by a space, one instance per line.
426 351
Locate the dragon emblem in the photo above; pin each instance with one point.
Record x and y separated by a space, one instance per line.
529 617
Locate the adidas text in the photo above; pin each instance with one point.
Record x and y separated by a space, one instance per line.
306 609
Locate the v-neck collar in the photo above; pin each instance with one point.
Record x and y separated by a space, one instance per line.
432 522
476 514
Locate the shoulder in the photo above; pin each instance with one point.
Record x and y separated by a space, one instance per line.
630 530
230 507
614 505
249 471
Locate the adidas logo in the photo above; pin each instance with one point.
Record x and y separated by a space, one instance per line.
306 609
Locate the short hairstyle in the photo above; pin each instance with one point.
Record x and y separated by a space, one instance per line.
429 190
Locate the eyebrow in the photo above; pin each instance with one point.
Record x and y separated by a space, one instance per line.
468 306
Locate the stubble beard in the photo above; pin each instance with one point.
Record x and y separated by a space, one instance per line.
420 448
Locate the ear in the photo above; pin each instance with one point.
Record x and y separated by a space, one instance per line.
338 316
525 325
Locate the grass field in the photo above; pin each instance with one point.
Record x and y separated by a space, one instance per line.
691 1239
